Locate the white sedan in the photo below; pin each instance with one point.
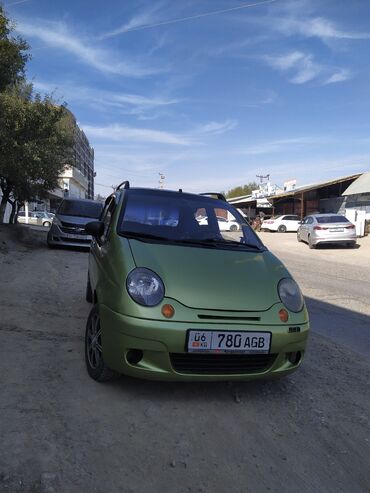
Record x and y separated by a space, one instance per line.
282 224
223 223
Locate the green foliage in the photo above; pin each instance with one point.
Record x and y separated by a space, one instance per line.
36 134
13 54
36 139
242 190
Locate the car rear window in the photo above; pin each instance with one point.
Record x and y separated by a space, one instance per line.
80 208
331 219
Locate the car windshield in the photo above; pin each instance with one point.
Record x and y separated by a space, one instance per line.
80 208
331 219
186 219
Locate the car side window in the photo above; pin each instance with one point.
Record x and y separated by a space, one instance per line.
309 220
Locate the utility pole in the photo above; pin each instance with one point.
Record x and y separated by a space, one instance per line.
161 180
261 177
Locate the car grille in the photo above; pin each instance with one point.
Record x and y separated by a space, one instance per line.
221 364
227 317
74 229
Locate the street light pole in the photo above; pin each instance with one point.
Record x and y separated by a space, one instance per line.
161 180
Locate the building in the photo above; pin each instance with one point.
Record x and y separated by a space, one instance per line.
77 179
321 197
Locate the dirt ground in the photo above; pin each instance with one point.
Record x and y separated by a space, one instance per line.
62 432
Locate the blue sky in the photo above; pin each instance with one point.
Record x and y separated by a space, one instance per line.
209 92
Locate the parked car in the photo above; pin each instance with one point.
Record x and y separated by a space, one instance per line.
282 224
40 218
68 226
317 229
223 223
174 299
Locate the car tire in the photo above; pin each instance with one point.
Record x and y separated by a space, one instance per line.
95 365
234 228
46 224
89 293
311 245
282 228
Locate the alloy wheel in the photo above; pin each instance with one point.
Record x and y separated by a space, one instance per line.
93 342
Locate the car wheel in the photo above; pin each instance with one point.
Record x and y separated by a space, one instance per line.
95 365
47 224
299 237
311 245
282 228
234 227
89 293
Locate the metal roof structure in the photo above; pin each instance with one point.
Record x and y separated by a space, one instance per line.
361 185
314 186
241 199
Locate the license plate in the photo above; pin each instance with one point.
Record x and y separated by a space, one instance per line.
77 237
210 341
336 230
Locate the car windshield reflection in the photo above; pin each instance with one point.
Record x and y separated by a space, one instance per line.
189 220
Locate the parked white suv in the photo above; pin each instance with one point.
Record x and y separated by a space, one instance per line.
282 224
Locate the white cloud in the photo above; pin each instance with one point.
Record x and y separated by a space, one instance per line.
145 18
57 35
216 128
318 27
301 65
285 62
126 103
303 68
279 145
340 76
120 133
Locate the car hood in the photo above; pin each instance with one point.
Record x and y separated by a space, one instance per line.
75 219
206 278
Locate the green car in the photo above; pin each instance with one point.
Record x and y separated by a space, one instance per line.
179 294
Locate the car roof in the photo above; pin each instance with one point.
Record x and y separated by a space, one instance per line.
174 193
71 199
327 214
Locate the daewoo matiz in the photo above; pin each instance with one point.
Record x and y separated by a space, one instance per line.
175 298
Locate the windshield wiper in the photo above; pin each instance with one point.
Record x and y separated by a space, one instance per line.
142 236
218 242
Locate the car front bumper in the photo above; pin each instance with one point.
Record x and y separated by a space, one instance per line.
164 353
57 237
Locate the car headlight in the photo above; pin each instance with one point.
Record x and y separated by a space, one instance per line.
290 295
145 287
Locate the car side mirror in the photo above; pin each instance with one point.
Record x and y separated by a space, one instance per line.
95 228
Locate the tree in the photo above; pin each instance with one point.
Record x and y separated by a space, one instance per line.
13 54
242 190
36 138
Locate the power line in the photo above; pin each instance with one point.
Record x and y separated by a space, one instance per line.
190 17
101 185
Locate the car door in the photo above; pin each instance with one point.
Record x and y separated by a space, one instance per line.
303 229
33 218
99 246
310 225
292 223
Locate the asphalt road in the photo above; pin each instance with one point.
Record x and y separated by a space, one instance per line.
62 432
